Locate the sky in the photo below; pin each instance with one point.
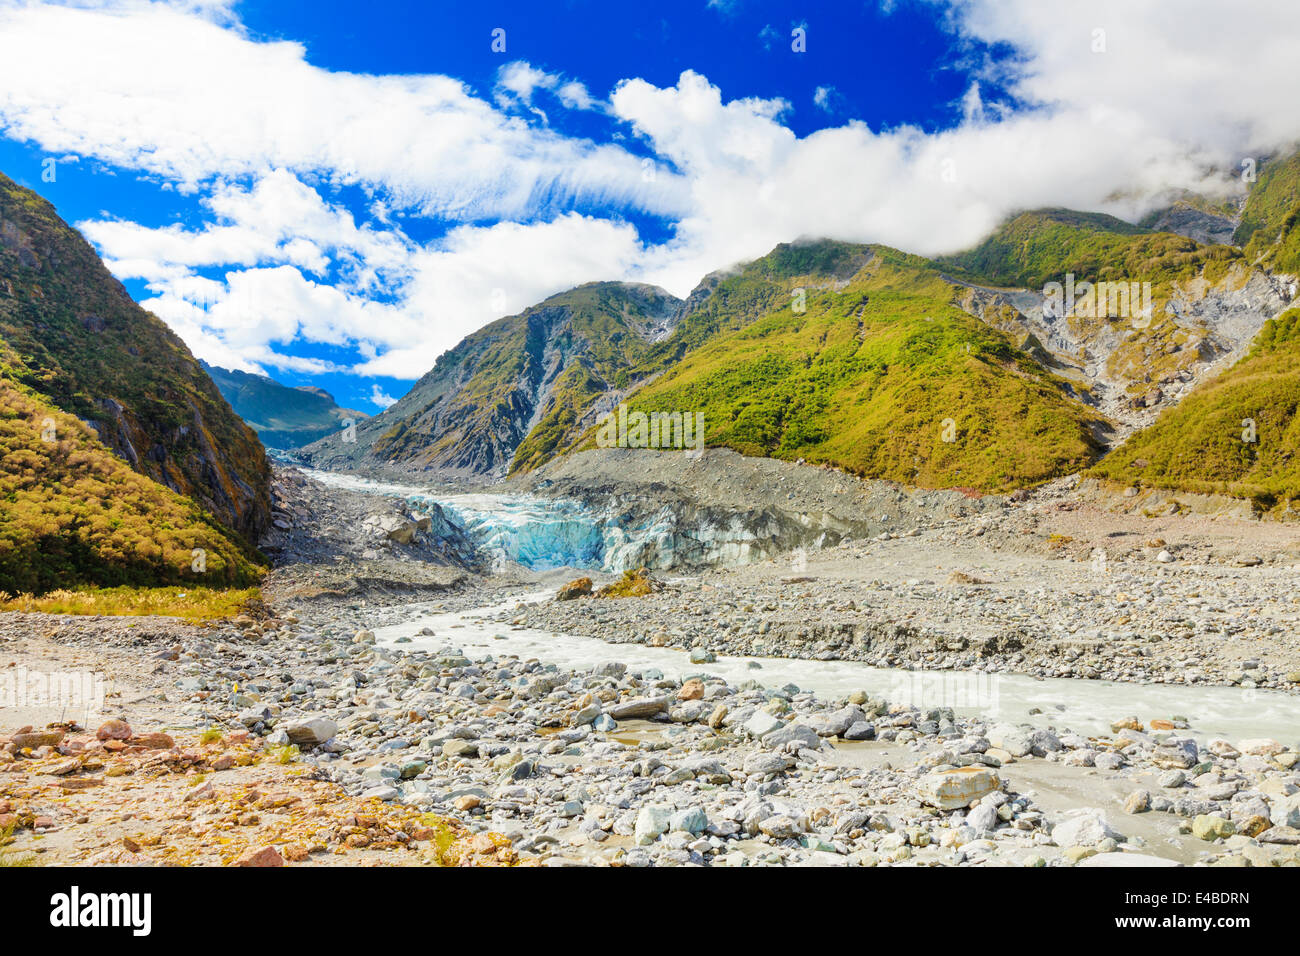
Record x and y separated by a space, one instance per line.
335 193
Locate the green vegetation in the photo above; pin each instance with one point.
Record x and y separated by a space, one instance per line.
1198 445
873 378
75 514
1268 229
1042 246
86 348
196 604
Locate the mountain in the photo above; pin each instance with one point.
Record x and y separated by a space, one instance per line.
1270 222
85 347
881 373
1239 434
525 376
76 514
1206 303
284 417
1023 358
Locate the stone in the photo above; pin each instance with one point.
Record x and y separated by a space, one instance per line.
700 655
639 708
1139 801
1085 828
311 733
263 856
804 736
860 730
113 730
692 820
652 821
762 724
1210 827
1261 747
579 587
955 789
693 689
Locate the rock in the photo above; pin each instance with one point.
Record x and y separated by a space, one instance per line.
692 820
33 740
604 724
652 821
780 827
804 736
264 856
1164 557
860 730
1254 825
761 724
1209 827
764 763
984 817
1139 801
1087 828
153 741
204 791
693 689
1261 747
700 655
1285 811
311 733
586 715
579 587
955 789
1173 778
640 708
1042 743
113 730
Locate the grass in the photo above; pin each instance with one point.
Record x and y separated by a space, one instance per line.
9 857
883 377
633 583
73 514
1268 228
189 603
85 347
1200 444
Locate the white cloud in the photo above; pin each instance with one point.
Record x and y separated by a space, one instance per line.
147 86
381 398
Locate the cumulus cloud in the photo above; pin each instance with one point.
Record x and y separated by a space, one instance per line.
1108 120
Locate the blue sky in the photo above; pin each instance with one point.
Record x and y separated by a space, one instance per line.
334 195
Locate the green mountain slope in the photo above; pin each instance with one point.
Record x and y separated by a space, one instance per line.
1270 224
1201 444
283 417
72 513
882 375
85 347
517 375
1041 246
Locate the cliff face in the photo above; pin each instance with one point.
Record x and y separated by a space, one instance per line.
531 376
91 351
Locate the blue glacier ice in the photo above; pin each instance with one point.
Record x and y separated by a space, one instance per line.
537 533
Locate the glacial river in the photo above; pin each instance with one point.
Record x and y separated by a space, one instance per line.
542 534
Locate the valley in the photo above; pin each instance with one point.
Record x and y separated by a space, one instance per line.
952 570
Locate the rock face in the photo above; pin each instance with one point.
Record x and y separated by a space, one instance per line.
95 354
534 365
